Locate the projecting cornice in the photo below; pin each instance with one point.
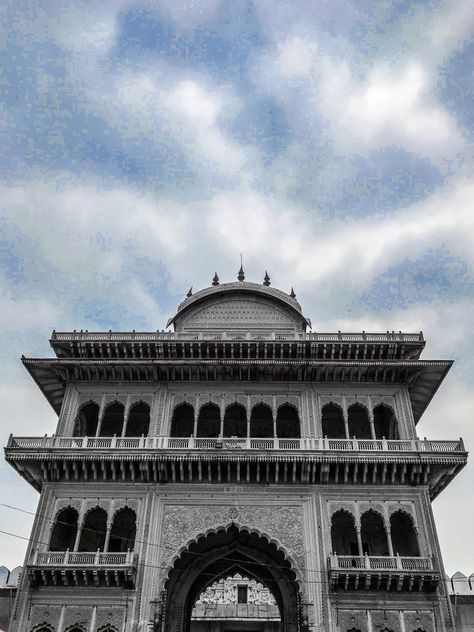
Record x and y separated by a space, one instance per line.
422 377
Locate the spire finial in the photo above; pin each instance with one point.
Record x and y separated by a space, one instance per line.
190 292
266 279
241 275
215 280
292 293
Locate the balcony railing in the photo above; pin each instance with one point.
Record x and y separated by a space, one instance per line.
382 562
83 568
235 443
83 558
139 336
367 572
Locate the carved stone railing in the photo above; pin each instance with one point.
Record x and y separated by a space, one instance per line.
83 558
235 443
382 572
89 336
381 562
83 568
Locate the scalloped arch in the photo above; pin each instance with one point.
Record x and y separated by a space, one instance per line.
43 627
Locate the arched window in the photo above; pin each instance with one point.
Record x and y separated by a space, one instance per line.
385 422
343 533
333 421
209 421
75 628
261 421
122 534
63 534
112 422
93 530
374 536
182 422
138 420
43 627
107 628
358 420
87 420
287 422
404 539
235 421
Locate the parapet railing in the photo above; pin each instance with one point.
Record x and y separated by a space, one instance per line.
83 558
379 563
84 336
236 443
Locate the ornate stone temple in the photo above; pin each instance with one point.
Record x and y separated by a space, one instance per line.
238 473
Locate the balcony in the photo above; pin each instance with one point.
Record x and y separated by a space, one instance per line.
348 572
153 460
235 443
67 568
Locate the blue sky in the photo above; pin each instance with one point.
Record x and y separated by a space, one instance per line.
146 144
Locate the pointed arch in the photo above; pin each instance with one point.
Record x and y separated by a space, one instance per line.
112 422
358 421
138 423
182 422
235 421
288 422
87 419
64 531
261 421
373 533
75 628
385 422
332 420
343 533
209 421
123 531
93 530
403 533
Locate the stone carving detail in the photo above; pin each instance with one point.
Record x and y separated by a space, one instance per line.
184 523
386 620
350 619
42 613
77 615
112 616
422 619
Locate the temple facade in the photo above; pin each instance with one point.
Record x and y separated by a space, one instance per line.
240 472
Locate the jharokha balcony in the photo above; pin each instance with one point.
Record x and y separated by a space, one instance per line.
158 459
349 572
68 568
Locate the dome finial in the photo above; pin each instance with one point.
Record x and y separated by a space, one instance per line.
266 279
215 280
292 293
241 275
190 292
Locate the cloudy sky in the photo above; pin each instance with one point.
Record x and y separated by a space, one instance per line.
144 145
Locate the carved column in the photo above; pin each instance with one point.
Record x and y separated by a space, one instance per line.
346 416
101 415
371 417
126 414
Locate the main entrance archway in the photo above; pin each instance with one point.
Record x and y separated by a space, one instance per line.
222 553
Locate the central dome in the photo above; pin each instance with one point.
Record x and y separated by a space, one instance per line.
238 308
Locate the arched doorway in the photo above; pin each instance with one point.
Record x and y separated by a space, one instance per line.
221 554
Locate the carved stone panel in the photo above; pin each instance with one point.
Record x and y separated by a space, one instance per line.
77 615
352 620
385 620
44 613
110 615
416 620
281 524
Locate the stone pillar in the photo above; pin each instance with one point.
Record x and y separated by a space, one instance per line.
371 418
101 416
346 416
359 540
107 537
78 536
126 414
